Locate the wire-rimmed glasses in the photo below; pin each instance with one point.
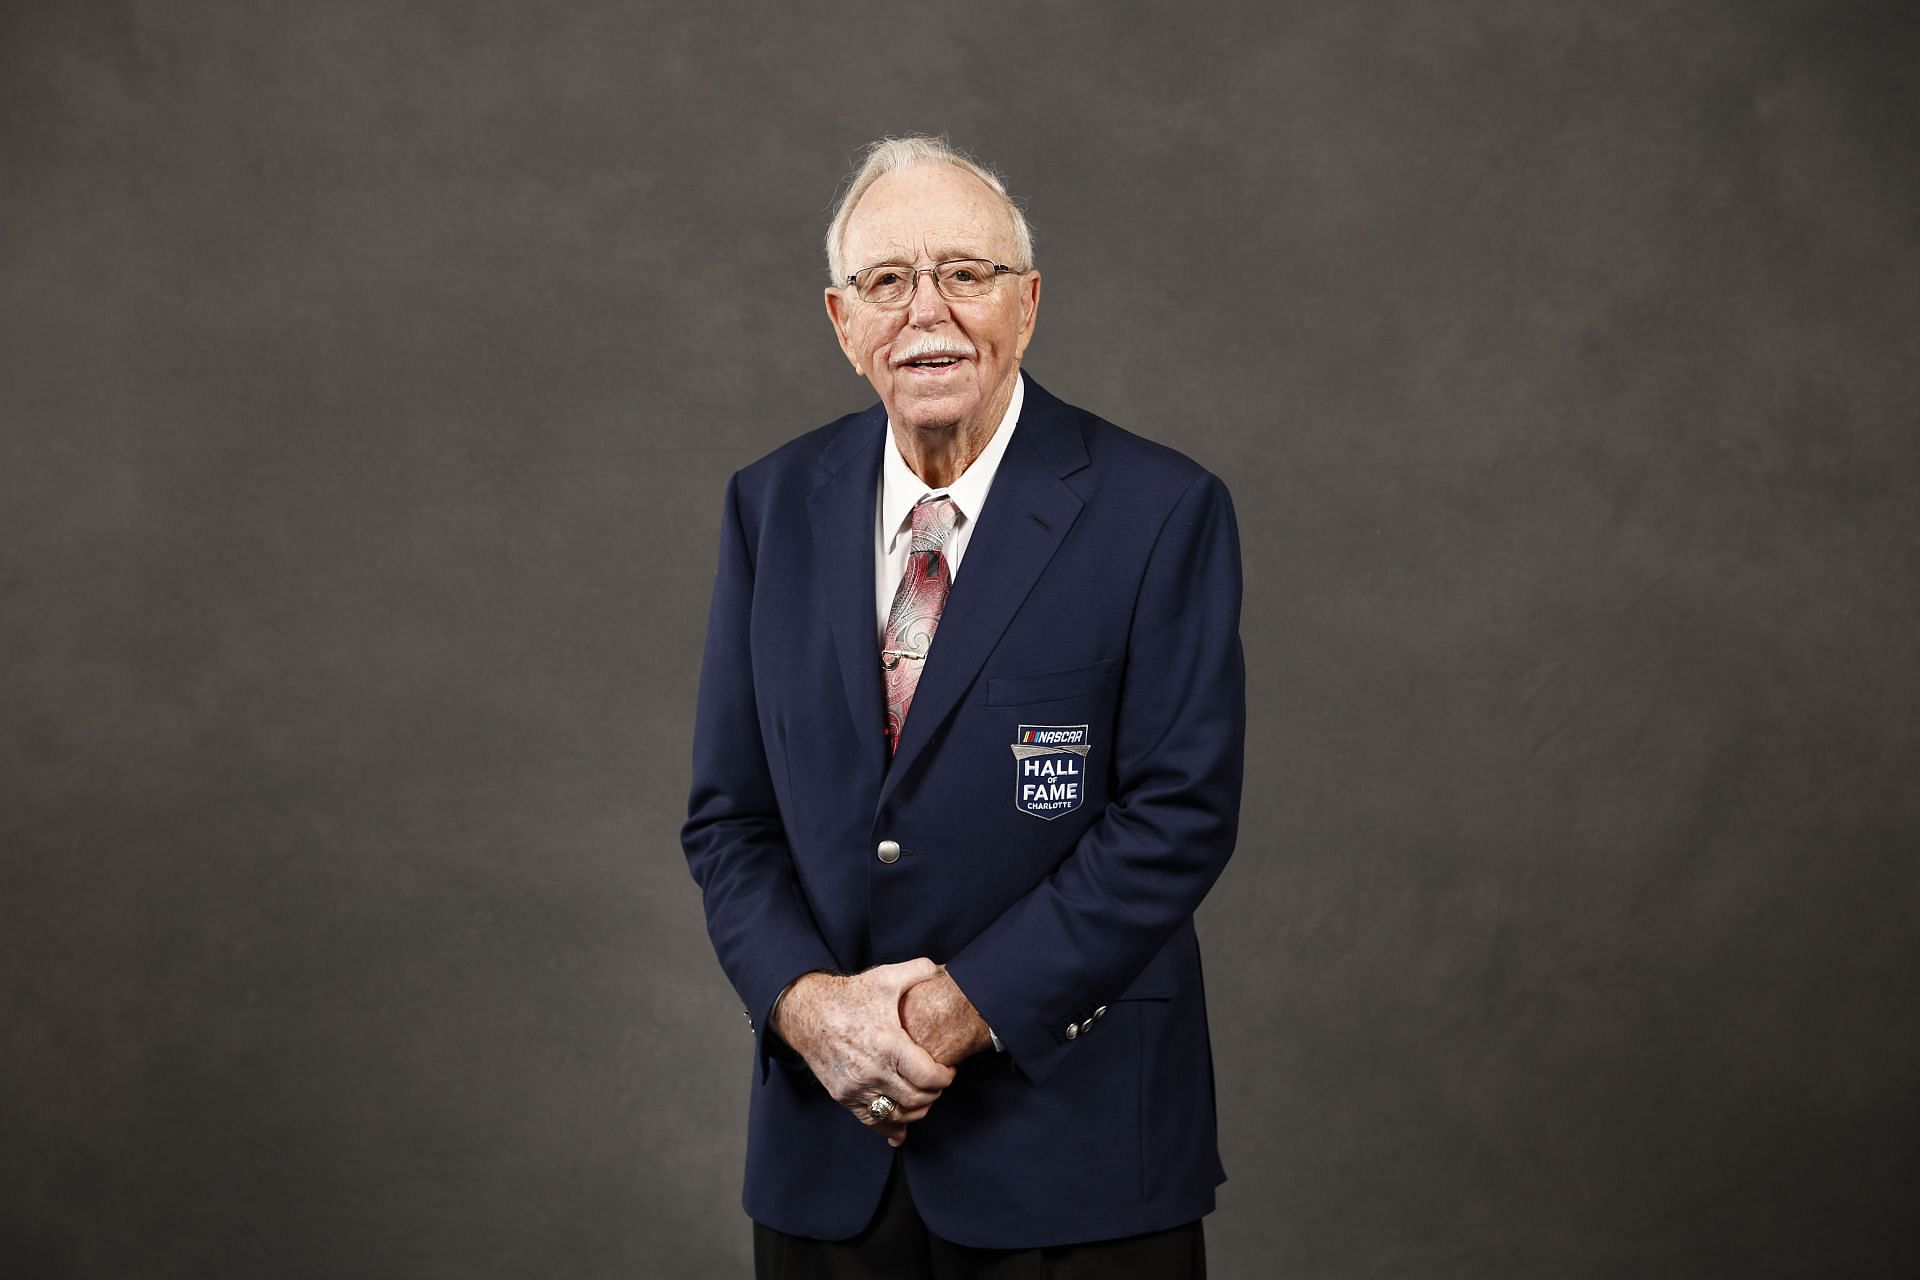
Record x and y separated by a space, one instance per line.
888 284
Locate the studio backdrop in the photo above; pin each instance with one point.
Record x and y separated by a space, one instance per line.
370 377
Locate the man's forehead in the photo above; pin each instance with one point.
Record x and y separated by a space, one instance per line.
937 211
934 247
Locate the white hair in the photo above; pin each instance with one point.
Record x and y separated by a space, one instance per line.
889 155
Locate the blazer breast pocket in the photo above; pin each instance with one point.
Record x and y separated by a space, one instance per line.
1050 686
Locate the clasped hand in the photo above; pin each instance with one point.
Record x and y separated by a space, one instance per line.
897 1031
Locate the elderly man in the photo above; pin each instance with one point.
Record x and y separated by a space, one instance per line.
951 827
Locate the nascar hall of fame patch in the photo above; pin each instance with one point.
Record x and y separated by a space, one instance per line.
1050 768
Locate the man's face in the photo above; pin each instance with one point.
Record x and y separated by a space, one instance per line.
919 216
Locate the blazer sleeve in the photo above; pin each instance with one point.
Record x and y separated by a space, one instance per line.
736 845
1081 936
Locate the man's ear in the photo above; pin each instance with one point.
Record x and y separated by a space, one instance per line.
1029 310
837 312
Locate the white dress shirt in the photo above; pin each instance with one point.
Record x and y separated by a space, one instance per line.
900 489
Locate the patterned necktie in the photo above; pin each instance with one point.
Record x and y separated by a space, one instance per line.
915 613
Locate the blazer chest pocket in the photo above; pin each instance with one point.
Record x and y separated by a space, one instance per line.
1050 686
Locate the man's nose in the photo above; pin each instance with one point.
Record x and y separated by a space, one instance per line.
926 306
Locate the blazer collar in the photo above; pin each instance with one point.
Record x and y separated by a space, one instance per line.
841 511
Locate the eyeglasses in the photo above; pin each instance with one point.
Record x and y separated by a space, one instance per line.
890 283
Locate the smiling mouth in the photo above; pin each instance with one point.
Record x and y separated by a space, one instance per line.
931 364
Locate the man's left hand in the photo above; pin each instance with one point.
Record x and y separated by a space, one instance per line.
940 1018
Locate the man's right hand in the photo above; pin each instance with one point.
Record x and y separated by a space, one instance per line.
848 1030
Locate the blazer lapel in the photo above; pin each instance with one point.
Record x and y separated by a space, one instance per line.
841 509
1027 515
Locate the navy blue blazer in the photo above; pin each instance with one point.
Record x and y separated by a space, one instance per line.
1066 790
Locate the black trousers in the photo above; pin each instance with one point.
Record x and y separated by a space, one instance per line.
897 1246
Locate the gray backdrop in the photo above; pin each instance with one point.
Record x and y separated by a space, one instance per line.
370 377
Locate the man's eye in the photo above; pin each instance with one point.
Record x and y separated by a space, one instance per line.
881 278
966 275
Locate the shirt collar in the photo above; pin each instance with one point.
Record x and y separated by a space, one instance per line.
900 489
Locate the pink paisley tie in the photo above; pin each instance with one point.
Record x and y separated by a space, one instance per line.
915 613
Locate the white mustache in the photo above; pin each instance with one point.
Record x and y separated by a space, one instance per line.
931 345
